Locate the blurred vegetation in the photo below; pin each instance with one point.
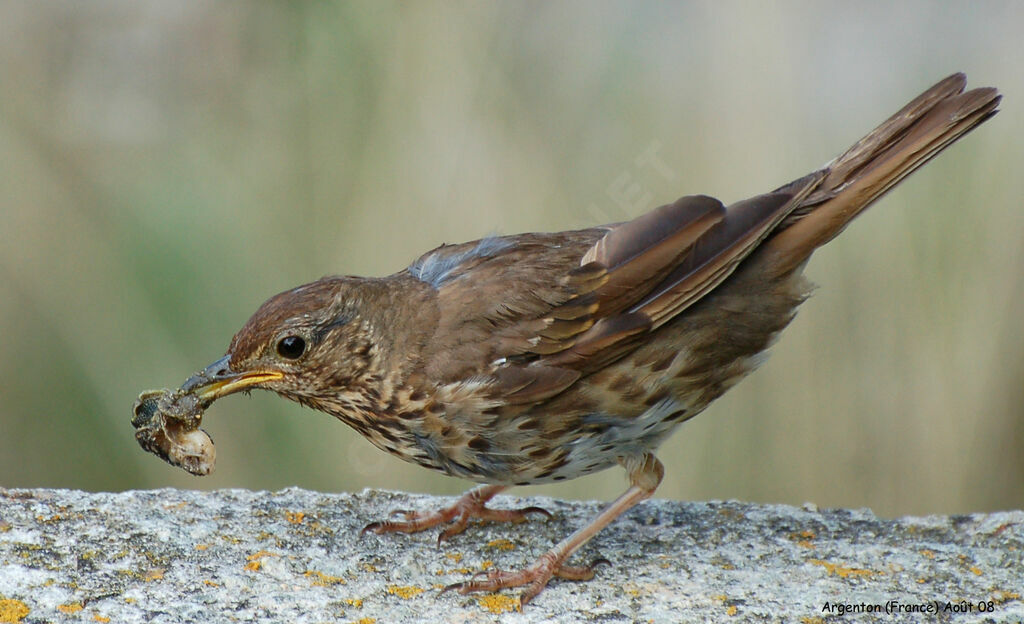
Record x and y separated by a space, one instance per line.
166 167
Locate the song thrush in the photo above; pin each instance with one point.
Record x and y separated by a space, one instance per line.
543 357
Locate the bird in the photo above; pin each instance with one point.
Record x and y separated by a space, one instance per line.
543 357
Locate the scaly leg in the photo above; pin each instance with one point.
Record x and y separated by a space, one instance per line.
473 504
645 473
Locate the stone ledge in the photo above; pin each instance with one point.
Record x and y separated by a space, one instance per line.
297 556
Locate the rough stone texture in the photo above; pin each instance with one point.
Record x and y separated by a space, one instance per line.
297 556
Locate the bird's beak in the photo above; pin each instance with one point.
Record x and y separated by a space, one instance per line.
217 380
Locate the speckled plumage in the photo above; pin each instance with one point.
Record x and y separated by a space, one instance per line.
444 402
543 357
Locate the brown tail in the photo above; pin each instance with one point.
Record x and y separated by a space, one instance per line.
852 182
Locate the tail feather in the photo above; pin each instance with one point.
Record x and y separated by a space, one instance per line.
856 179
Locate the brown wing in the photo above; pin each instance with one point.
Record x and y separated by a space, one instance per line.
710 256
501 303
532 313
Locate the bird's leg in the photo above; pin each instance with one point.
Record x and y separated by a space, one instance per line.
645 473
472 504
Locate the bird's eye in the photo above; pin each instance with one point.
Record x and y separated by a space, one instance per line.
291 347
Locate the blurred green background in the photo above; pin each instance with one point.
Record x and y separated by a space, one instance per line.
168 166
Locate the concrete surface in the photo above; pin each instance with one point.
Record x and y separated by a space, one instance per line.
297 556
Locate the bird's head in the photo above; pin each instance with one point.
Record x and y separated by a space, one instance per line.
308 344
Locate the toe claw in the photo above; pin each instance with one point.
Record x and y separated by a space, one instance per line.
529 594
450 532
447 588
536 510
463 588
475 583
373 527
600 561
442 537
477 575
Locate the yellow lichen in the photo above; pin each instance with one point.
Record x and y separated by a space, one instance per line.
366 620
156 574
405 591
731 610
100 618
454 557
840 571
975 569
462 570
498 603
202 546
294 517
355 602
315 527
73 607
323 580
927 553
501 544
803 538
255 564
12 610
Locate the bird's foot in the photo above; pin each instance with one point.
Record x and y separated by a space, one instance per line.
471 505
533 579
